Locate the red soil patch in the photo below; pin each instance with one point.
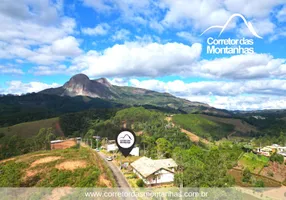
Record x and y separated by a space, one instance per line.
71 165
278 170
63 145
45 160
104 181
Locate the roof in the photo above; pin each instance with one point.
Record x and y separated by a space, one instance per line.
56 141
146 166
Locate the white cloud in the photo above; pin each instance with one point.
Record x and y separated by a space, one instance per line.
45 70
122 34
119 81
188 36
249 66
100 29
139 59
262 94
67 46
18 87
262 27
10 70
281 15
36 31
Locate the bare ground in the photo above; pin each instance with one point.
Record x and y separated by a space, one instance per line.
104 181
278 170
63 145
45 160
71 165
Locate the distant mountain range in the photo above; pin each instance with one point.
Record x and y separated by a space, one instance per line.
81 85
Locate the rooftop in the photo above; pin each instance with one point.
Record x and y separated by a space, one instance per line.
146 166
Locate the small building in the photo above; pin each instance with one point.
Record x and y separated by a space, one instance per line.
135 151
111 147
266 151
56 141
154 172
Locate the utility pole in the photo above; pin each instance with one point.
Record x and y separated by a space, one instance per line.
91 143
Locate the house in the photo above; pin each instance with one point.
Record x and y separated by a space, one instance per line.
266 151
154 172
111 147
134 151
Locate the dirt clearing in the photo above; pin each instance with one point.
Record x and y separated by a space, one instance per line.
3 161
63 145
104 181
45 160
193 137
71 165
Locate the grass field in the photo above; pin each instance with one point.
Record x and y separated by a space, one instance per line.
58 168
202 126
239 125
29 129
255 163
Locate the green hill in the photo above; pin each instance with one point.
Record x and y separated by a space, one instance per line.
202 126
75 167
29 129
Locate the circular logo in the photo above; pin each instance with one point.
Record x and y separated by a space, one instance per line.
125 139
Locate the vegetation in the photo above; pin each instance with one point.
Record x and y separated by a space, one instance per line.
93 173
16 145
140 183
253 162
200 168
29 129
246 175
203 127
277 158
37 106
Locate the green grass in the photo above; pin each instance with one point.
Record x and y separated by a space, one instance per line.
29 129
13 173
253 162
202 126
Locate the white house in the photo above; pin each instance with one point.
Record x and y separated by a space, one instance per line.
135 151
154 172
111 147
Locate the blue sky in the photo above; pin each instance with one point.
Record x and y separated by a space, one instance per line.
153 44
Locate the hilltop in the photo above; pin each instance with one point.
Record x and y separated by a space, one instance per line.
75 167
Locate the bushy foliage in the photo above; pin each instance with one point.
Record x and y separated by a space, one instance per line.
140 183
277 158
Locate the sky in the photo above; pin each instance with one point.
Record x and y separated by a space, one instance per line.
160 45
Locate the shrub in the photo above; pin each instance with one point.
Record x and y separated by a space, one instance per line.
270 173
246 175
259 183
277 158
140 183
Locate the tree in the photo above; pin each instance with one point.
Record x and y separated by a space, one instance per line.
164 148
277 158
246 175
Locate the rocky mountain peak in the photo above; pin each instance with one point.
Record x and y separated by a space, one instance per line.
79 78
103 81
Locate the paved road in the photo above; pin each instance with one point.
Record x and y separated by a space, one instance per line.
119 177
